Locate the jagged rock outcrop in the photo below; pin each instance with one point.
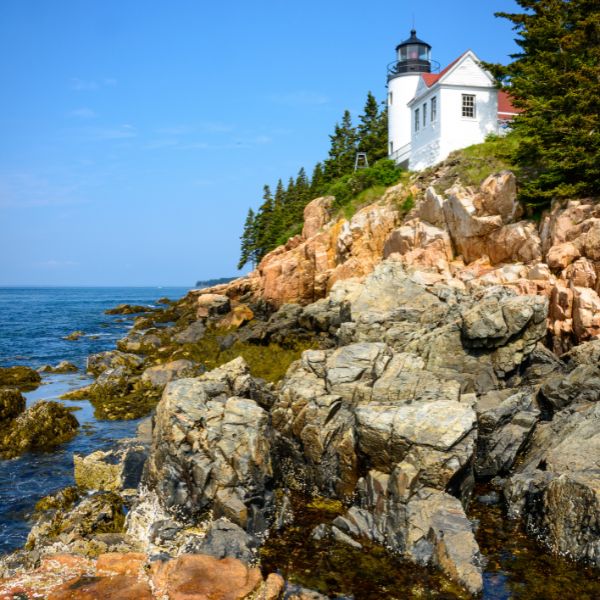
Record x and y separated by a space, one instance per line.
557 487
211 448
406 410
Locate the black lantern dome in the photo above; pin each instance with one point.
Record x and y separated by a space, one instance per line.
414 55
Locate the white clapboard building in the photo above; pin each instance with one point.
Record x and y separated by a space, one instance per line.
431 114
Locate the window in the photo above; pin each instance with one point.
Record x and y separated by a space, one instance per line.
391 147
424 114
417 122
433 109
468 106
390 98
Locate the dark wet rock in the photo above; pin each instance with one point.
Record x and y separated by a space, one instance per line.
128 309
224 539
506 419
191 334
23 378
44 425
111 359
211 448
582 384
164 531
212 305
556 488
62 367
12 404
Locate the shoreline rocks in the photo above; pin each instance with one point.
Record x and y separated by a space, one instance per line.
423 372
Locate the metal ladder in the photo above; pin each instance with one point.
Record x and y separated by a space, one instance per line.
361 161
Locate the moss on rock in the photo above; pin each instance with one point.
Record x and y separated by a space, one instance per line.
23 378
12 404
269 362
62 500
44 425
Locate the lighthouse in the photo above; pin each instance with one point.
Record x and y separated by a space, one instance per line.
413 59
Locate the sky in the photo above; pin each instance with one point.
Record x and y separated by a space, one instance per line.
135 135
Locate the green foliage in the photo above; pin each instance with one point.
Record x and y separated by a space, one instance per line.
555 80
473 164
280 216
347 188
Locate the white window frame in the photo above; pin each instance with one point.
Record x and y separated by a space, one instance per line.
433 112
424 115
469 105
417 119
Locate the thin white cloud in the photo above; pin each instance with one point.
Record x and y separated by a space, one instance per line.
27 190
300 98
120 132
83 113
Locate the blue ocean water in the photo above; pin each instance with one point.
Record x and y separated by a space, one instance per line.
33 322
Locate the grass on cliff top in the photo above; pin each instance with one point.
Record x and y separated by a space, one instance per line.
473 164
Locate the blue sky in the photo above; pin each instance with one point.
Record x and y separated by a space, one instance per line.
134 135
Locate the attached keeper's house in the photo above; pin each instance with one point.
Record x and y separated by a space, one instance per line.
431 114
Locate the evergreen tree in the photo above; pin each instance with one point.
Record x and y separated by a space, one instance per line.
248 241
317 181
302 187
342 151
555 80
372 130
264 224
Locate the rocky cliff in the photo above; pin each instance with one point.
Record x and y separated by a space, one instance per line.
450 344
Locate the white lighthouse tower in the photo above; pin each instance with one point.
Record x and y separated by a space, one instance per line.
413 59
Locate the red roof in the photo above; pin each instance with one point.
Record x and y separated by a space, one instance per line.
431 78
505 106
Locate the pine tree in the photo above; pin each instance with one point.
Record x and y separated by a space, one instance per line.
342 151
247 241
317 181
555 80
264 224
372 130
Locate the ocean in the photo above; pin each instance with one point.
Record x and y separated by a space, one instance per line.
33 322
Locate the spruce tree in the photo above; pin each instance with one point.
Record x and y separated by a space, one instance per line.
264 224
248 241
555 81
372 136
317 181
342 151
